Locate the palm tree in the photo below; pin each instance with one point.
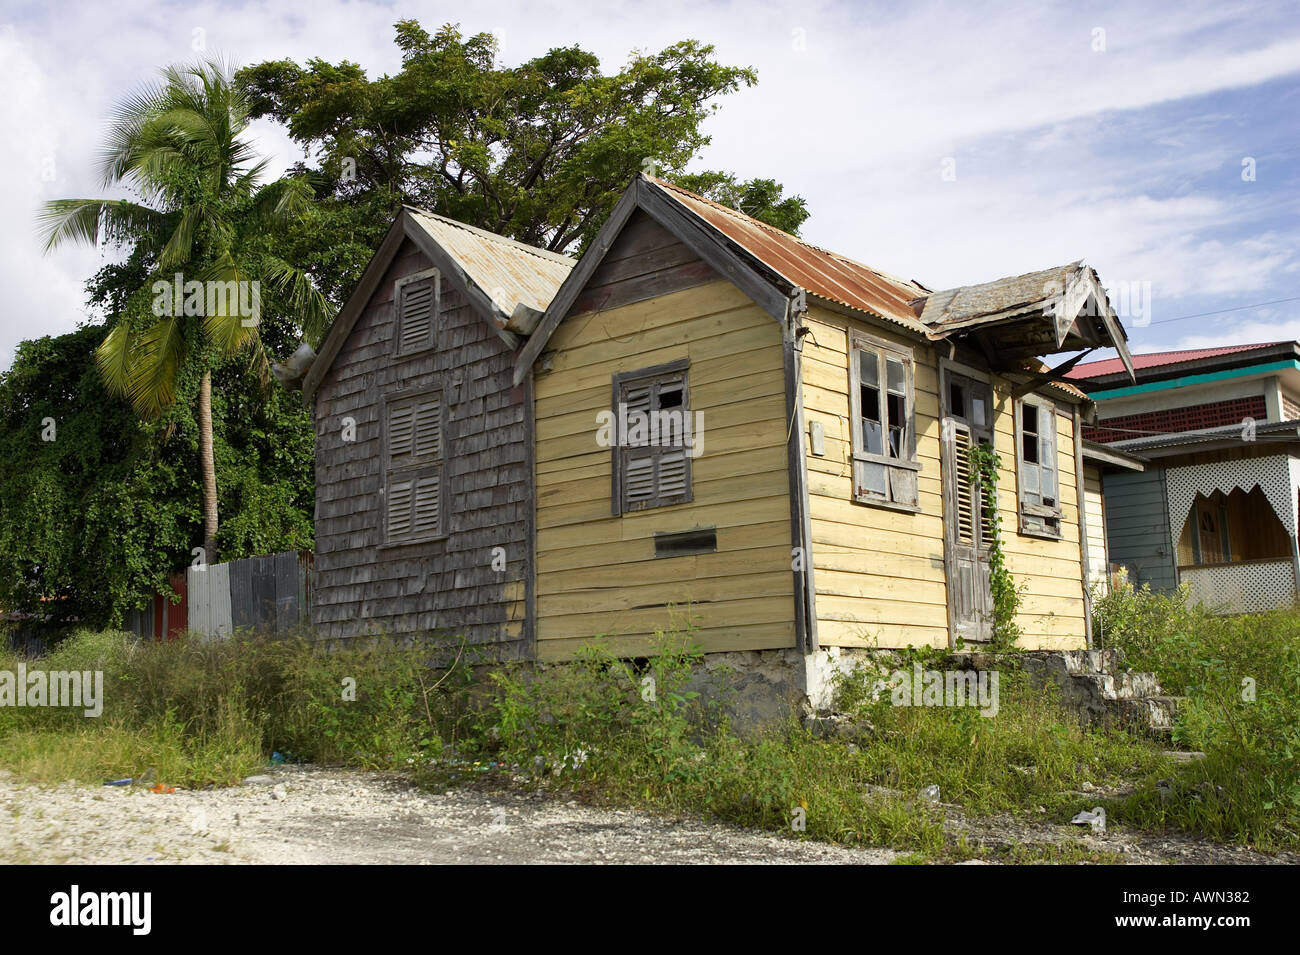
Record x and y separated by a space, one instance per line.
180 145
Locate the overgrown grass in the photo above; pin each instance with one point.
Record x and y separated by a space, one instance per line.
1240 679
210 712
620 732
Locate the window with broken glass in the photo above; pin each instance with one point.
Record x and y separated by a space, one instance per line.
884 424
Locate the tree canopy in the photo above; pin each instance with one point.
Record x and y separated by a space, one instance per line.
539 152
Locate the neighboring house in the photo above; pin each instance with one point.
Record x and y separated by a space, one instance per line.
424 503
1102 467
1218 502
817 496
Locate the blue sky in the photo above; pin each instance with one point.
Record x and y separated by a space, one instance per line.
950 143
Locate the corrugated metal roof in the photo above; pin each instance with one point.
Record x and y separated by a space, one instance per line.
508 272
1280 429
816 270
1112 366
991 301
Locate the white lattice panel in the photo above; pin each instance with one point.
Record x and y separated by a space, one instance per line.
1242 588
1273 475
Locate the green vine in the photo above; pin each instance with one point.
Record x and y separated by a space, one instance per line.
1006 596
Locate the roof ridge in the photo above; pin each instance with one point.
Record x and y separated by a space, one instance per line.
768 227
495 237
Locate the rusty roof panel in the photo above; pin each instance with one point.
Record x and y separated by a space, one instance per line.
508 272
816 270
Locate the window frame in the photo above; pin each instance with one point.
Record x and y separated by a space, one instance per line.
421 467
400 289
1033 519
884 350
618 490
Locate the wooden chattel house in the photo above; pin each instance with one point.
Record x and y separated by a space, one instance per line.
817 494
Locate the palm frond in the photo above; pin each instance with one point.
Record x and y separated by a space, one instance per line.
230 321
310 307
87 221
113 359
155 364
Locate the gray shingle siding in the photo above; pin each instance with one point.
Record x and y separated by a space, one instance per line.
1137 526
445 585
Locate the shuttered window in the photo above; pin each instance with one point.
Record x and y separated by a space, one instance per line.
884 423
653 438
1036 471
415 299
413 438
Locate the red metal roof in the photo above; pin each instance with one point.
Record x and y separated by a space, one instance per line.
807 266
1111 366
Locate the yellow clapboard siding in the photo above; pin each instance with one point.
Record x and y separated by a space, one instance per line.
642 525
844 511
633 594
772 538
717 615
839 633
901 612
709 467
719 344
766 404
746 323
878 586
755 485
629 321
657 571
596 571
756 363
768 636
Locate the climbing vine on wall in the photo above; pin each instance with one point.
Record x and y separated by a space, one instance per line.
1002 586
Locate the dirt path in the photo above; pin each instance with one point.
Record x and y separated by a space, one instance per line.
305 815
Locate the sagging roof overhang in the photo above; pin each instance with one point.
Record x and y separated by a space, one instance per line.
1014 319
508 283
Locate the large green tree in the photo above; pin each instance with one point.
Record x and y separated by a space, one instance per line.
203 216
539 152
99 505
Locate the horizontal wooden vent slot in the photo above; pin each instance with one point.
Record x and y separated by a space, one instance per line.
703 540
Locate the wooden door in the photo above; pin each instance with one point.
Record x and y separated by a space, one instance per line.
968 421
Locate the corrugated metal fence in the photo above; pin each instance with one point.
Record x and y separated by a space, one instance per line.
267 594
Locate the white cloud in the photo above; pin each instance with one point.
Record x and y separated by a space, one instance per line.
1061 151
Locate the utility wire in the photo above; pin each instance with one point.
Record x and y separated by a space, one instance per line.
1224 311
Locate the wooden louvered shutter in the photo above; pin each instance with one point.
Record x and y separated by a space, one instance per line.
652 468
1037 475
427 505
399 507
414 508
963 485
417 308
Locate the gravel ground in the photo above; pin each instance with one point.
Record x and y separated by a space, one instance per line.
305 815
